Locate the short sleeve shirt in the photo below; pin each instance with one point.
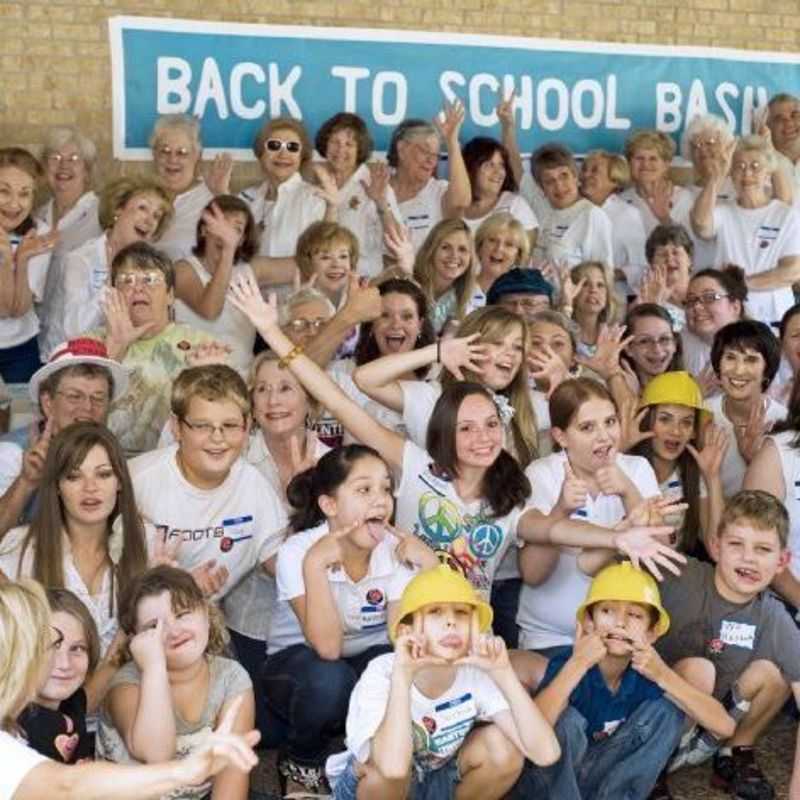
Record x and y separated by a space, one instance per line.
59 734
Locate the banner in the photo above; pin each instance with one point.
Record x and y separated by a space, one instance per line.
587 95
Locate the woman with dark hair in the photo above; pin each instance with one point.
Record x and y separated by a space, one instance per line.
365 208
422 198
654 347
73 541
494 188
789 333
745 356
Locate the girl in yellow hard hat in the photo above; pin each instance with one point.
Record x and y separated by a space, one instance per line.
672 424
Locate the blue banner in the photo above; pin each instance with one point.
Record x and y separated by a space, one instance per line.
587 95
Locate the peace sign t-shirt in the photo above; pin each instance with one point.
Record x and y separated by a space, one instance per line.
466 536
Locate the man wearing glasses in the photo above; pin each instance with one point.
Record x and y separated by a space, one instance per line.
77 384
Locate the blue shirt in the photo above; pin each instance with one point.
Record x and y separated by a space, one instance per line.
604 710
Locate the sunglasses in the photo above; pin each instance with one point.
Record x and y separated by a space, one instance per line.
276 145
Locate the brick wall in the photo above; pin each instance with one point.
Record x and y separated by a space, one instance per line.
54 59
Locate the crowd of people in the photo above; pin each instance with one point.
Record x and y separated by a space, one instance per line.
495 476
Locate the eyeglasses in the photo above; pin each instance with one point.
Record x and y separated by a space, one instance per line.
57 159
127 280
744 166
79 399
305 325
228 430
276 145
704 144
705 299
647 342
180 153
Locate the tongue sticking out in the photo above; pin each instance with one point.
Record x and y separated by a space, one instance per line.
376 529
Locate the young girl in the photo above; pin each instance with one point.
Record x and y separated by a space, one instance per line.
653 348
490 349
594 303
501 243
55 723
445 268
670 433
339 576
168 698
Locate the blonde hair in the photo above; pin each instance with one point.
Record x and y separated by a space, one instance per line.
500 222
120 192
611 311
214 383
319 235
464 284
650 140
619 172
24 640
252 378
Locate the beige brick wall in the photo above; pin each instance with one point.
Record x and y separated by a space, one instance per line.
54 60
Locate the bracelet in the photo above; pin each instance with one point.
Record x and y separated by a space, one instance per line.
438 351
293 353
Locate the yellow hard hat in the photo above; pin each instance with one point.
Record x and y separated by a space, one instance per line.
623 582
440 585
676 388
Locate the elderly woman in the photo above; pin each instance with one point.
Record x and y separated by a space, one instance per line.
131 210
501 244
284 204
494 187
424 199
365 208
28 642
653 194
177 150
140 334
603 176
759 233
25 252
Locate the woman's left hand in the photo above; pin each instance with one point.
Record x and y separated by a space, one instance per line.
610 343
218 178
326 185
715 445
245 295
33 245
750 437
630 423
218 225
398 242
547 367
448 122
375 188
653 288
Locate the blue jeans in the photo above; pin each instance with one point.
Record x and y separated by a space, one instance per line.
310 696
505 604
625 766
436 784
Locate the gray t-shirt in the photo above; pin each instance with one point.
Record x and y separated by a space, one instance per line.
227 679
730 635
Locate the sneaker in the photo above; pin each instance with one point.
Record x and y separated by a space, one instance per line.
661 789
302 780
696 747
739 775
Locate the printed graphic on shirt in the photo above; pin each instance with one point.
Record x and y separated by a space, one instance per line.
438 735
230 533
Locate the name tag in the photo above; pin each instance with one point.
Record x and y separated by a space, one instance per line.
366 610
450 723
235 530
738 633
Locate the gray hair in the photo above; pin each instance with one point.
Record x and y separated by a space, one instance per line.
705 123
757 144
553 317
63 135
408 129
306 295
184 122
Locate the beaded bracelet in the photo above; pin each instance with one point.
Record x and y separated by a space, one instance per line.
293 353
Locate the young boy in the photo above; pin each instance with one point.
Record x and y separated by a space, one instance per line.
738 638
444 676
619 709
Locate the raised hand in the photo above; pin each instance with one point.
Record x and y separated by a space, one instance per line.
708 381
569 288
218 178
449 120
218 226
505 108
33 459
206 353
611 341
647 662
574 491
326 188
659 199
462 352
148 647
653 288
363 302
630 422
750 437
220 749
486 652
245 295
209 577
411 656
611 479
327 551
715 445
33 245
375 188
163 552
398 243
642 546
547 368
589 648
411 550
121 333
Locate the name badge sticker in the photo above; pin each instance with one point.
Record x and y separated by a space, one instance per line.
739 634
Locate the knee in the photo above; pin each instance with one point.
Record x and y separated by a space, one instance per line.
659 720
529 668
329 683
762 676
498 753
698 672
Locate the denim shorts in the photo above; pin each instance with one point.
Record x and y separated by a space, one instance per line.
436 784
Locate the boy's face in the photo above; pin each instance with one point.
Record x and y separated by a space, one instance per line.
447 628
332 264
748 559
210 437
620 623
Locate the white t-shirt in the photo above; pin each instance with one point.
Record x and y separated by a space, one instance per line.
756 239
18 760
790 469
546 615
180 236
282 220
239 524
465 535
511 203
86 272
696 352
231 327
733 465
533 194
439 725
362 605
421 212
579 233
628 239
682 202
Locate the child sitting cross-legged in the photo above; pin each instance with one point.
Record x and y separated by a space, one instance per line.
411 726
618 709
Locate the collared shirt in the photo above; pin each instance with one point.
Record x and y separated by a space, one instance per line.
180 236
